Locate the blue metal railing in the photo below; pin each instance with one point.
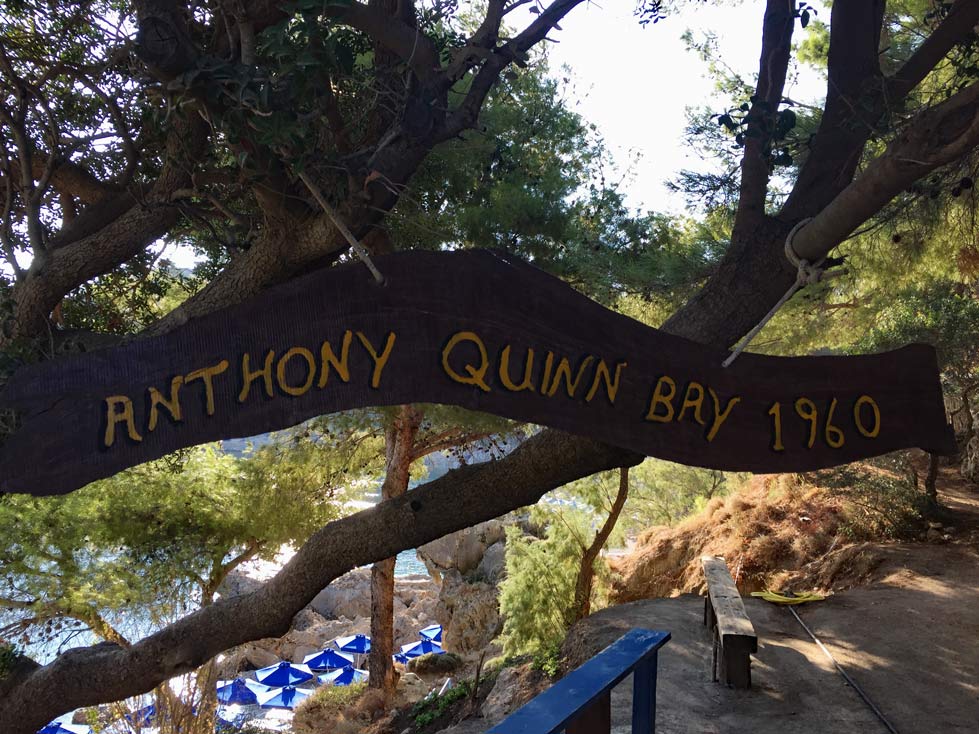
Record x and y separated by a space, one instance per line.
580 703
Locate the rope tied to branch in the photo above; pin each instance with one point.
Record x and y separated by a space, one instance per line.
807 273
343 229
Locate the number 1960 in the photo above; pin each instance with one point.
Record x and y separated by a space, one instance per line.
866 419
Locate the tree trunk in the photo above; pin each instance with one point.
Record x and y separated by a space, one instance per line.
586 572
399 443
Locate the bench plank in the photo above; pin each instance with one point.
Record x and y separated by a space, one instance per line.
726 617
729 611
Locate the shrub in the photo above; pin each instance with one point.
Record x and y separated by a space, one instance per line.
335 709
431 709
883 495
434 664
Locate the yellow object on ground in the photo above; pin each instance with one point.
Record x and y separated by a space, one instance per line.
788 598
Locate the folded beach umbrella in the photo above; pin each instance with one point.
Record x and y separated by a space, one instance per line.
423 647
327 660
358 644
58 728
344 676
433 632
283 674
287 697
239 691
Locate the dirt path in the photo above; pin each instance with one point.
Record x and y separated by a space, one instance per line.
910 639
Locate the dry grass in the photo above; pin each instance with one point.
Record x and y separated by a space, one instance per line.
338 710
773 526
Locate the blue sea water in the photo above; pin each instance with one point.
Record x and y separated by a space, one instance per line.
407 564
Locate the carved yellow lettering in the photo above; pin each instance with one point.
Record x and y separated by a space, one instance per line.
329 359
280 371
563 372
248 376
719 415
858 416
528 367
207 374
172 405
379 361
477 376
114 415
546 377
602 374
662 398
693 402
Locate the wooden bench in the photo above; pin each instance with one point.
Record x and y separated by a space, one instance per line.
726 618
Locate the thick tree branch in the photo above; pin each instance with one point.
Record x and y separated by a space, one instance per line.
59 271
849 116
466 115
933 139
776 48
408 43
478 493
957 26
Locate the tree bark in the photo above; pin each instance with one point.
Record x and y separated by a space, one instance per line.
399 448
586 571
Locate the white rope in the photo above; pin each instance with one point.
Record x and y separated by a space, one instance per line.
806 274
338 223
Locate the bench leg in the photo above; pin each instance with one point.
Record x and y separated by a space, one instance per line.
737 667
644 697
596 719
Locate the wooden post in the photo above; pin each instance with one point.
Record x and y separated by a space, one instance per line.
644 697
596 719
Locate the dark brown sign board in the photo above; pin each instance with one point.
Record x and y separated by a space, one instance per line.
477 329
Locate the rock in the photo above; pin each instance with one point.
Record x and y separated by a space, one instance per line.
307 618
493 566
513 688
237 583
462 550
933 535
932 525
949 530
411 688
469 614
228 665
301 652
348 596
258 656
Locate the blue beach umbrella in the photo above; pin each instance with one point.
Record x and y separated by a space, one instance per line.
239 691
283 674
58 728
423 647
327 660
432 632
400 657
287 697
357 644
344 676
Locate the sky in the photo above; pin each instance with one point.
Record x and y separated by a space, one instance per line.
636 83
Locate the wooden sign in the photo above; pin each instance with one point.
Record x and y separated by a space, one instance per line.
477 329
